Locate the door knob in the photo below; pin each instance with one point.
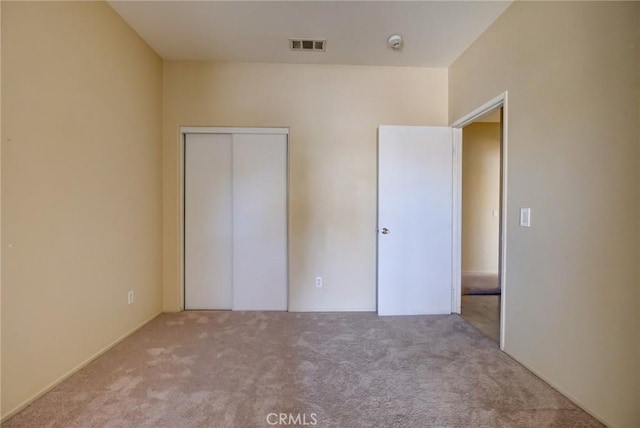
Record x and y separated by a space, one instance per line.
385 231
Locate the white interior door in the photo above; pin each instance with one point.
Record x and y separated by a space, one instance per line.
415 196
259 222
208 221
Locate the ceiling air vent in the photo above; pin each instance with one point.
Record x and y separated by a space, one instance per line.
309 45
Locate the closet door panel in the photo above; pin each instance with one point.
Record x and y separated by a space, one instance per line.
259 222
208 221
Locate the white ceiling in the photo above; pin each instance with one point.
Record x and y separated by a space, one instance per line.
435 32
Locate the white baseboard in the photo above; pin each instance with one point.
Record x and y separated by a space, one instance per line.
73 371
479 273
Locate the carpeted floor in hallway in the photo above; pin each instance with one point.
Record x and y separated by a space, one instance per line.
238 369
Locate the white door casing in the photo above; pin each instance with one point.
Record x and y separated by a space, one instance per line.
498 101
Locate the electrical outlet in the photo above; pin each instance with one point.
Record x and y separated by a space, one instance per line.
318 281
130 297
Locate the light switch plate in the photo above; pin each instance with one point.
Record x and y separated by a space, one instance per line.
525 217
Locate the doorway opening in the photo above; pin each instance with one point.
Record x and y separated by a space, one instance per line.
480 259
479 254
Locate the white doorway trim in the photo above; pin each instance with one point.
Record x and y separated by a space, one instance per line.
184 130
499 101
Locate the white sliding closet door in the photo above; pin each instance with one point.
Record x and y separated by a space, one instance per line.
259 222
208 221
236 221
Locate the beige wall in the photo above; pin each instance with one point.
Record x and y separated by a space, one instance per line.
333 113
572 72
480 197
81 188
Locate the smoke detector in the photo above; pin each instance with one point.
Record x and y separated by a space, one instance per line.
395 42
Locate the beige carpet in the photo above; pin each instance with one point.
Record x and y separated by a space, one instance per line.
233 369
483 312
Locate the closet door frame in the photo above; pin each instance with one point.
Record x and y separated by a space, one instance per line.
184 130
